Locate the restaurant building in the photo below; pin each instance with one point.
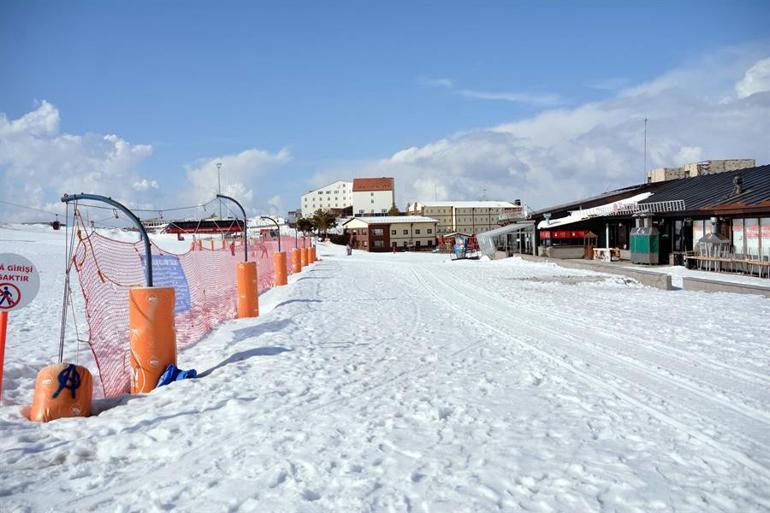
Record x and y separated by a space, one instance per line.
734 206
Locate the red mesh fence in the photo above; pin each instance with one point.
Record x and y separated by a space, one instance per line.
203 279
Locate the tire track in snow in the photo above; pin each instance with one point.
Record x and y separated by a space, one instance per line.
663 350
608 343
645 372
666 350
662 416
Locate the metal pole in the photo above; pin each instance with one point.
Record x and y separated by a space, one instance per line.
104 199
219 187
277 226
245 226
645 145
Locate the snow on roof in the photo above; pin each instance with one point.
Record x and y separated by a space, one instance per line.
599 211
327 185
393 219
372 184
468 204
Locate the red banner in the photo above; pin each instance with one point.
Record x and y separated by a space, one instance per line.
563 234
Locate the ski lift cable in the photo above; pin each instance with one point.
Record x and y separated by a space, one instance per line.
28 207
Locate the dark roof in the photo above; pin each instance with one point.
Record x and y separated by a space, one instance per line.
717 191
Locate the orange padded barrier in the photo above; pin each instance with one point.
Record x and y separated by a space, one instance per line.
296 260
303 254
248 289
152 335
313 257
62 390
279 264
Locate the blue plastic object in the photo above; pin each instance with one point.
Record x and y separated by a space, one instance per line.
172 373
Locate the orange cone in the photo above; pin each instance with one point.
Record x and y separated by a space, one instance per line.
152 335
63 390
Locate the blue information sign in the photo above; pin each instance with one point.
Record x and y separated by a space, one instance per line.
167 272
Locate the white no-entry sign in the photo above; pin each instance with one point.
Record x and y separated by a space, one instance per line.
19 282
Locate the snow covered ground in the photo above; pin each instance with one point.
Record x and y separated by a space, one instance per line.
407 382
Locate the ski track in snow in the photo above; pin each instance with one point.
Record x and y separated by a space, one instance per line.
406 382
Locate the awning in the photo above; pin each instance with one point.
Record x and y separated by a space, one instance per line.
615 208
486 239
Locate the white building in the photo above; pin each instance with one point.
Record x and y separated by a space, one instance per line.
373 196
335 197
467 216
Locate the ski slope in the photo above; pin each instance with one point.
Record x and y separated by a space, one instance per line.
407 382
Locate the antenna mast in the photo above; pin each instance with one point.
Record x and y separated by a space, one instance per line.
645 146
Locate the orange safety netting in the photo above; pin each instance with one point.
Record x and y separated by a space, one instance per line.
203 279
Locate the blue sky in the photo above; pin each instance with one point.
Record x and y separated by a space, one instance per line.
330 90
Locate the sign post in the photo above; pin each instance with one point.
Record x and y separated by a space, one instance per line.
19 283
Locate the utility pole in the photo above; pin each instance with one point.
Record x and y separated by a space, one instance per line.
219 187
645 146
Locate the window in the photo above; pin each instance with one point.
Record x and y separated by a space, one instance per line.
417 244
328 192
430 230
406 232
371 194
765 234
378 232
738 236
752 237
372 200
417 231
430 243
392 232
320 192
404 243
384 211
378 244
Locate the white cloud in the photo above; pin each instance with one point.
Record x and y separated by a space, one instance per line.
564 154
244 176
145 184
609 84
534 99
446 83
39 163
756 79
517 97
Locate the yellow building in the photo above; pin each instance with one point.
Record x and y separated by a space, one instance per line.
465 216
